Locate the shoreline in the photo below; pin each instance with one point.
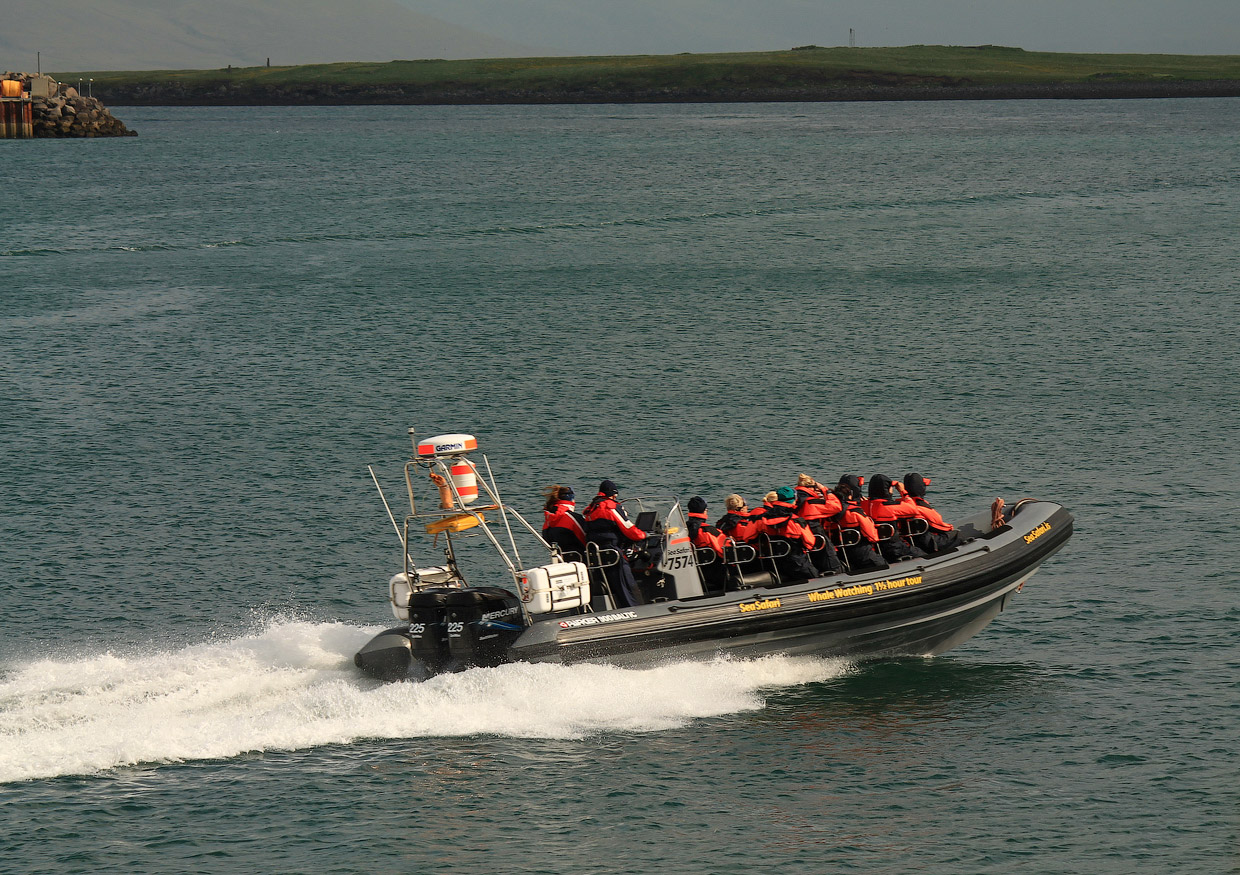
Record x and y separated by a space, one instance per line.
322 94
292 94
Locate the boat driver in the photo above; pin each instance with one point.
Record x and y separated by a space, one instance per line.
609 527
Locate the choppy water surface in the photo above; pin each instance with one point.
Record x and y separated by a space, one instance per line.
209 331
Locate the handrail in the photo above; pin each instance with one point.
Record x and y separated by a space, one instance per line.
846 537
594 562
914 525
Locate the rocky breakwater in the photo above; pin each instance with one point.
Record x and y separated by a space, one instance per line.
60 111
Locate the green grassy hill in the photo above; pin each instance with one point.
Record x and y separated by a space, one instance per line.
808 73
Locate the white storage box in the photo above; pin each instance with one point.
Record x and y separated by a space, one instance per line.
399 588
399 591
556 587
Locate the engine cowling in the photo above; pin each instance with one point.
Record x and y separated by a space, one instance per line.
482 623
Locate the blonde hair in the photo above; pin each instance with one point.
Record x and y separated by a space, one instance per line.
770 496
805 480
733 502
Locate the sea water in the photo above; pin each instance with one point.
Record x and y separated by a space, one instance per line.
209 331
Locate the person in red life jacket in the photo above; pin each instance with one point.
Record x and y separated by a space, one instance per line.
863 556
941 536
815 502
781 524
704 535
608 526
881 507
741 525
701 532
737 523
563 528
821 509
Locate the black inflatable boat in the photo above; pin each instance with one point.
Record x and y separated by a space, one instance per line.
561 611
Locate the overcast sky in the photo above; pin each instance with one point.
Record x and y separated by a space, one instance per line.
157 34
669 26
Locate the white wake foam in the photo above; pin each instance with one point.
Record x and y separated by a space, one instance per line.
293 685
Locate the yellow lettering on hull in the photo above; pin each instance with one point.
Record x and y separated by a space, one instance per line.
839 592
764 605
1037 533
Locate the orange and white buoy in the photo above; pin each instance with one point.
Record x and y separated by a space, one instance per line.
465 480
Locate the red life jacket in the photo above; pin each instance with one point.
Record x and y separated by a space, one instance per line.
780 520
706 535
739 525
932 516
603 511
815 505
564 517
883 510
855 518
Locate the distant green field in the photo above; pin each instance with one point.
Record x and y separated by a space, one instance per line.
669 75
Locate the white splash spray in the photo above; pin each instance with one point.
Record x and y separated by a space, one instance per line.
293 685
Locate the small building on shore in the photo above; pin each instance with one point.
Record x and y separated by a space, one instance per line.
16 109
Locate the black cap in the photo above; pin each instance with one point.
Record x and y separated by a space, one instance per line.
915 485
608 488
880 486
697 504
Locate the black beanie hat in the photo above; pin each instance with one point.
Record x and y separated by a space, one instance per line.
880 486
697 504
608 488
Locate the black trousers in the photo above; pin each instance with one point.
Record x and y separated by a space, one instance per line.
796 565
937 542
864 557
620 580
826 561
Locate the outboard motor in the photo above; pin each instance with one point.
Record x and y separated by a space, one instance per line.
428 628
482 623
389 657
420 649
413 652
